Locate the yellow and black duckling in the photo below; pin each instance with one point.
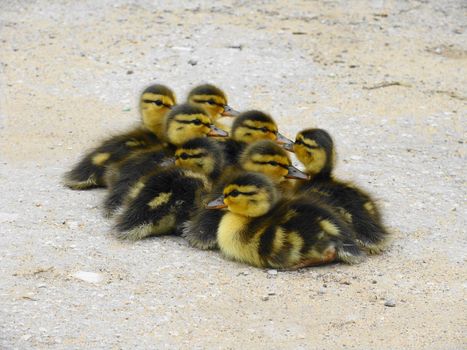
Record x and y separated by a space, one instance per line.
162 200
213 100
183 123
248 127
155 102
262 229
269 158
262 156
314 148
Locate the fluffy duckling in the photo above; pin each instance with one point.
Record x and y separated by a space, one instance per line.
213 100
248 127
262 156
183 123
314 148
264 230
155 102
162 200
269 158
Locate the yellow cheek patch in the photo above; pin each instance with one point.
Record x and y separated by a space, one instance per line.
161 199
166 100
215 98
100 158
329 228
310 143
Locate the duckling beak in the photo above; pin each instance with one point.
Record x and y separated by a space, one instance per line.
167 161
229 112
217 203
215 131
297 174
288 146
285 142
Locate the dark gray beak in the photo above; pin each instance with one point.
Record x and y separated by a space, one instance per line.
217 203
229 112
297 174
215 131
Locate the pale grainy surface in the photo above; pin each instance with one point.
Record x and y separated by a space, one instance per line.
70 75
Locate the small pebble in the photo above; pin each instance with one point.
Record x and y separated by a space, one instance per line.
90 277
193 62
390 303
265 298
272 272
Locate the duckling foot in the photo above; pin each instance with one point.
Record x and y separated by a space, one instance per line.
328 256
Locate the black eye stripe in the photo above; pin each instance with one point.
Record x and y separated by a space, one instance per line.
196 122
273 163
264 129
157 102
236 193
300 142
211 102
193 156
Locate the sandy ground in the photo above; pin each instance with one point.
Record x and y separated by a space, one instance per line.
71 73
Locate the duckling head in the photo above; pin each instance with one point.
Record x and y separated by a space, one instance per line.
267 157
201 155
249 194
186 122
213 100
314 148
155 102
252 126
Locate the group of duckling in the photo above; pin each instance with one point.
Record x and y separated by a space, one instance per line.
182 173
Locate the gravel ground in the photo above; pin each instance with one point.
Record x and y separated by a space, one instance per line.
386 78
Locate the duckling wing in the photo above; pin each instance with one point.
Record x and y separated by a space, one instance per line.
359 209
127 172
320 231
90 170
164 200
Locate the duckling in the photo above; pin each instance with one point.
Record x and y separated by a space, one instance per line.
314 148
162 200
183 123
263 229
269 158
213 100
155 102
248 127
262 156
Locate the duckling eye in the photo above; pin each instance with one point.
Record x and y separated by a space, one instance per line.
234 193
184 156
264 129
211 102
158 102
273 163
197 122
